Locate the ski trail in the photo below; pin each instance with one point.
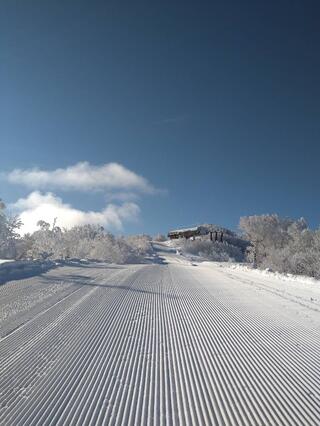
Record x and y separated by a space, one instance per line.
158 344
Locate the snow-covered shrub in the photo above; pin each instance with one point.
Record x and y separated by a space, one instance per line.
141 244
84 242
212 250
80 241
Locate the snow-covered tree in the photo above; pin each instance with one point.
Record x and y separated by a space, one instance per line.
9 236
265 232
283 244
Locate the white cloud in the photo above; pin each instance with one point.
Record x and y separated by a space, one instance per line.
37 206
83 176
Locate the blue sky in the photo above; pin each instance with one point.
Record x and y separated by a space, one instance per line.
215 104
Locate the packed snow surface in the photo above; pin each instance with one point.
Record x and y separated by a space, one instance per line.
166 343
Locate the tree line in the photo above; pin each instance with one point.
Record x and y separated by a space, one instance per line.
81 242
266 241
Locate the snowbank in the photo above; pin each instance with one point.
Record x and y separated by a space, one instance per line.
247 268
279 275
14 270
5 261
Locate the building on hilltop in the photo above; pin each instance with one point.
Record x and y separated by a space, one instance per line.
194 231
209 231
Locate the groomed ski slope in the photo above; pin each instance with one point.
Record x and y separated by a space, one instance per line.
169 343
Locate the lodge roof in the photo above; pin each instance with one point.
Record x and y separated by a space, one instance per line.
180 231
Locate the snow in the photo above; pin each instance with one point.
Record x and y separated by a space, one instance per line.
193 228
170 342
301 279
13 270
